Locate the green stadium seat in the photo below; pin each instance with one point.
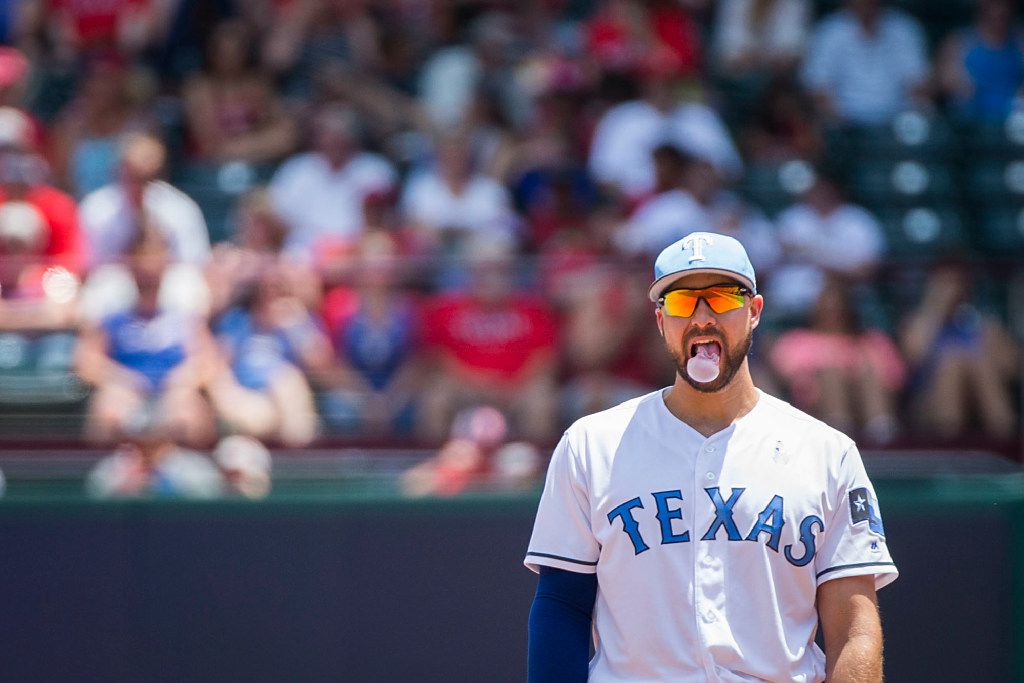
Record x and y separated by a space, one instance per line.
216 189
774 187
1001 230
1000 182
994 140
881 184
924 230
911 135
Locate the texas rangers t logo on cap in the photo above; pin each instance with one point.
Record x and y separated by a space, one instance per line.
696 242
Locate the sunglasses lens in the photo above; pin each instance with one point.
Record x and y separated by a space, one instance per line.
681 303
723 299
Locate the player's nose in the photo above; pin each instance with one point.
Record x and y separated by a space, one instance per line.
703 315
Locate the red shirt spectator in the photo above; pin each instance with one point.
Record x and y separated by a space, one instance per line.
64 245
93 23
499 340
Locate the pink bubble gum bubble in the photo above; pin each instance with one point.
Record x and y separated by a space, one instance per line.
702 369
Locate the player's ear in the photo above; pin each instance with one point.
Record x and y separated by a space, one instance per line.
756 306
658 316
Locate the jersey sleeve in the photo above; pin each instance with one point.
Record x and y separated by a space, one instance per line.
853 541
562 535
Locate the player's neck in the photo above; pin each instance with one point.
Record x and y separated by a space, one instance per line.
711 413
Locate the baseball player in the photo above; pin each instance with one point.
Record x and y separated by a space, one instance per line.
703 529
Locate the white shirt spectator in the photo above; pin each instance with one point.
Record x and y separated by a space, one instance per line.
869 78
110 222
671 215
482 209
846 241
660 221
781 34
111 289
318 201
620 154
447 84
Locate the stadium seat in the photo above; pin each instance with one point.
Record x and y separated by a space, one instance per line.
774 187
882 184
924 230
995 182
910 136
1001 230
994 140
216 188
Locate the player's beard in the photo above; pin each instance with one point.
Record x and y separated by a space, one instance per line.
730 361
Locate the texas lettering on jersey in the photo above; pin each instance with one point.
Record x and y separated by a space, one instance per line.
769 523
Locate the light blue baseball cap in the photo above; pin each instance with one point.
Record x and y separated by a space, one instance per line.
701 252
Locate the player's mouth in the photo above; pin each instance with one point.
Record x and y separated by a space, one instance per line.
713 347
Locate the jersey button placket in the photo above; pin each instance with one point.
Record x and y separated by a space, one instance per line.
707 568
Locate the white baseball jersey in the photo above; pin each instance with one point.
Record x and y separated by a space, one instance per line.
708 551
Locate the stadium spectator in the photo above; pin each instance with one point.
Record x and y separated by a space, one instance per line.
624 35
492 345
781 125
76 29
692 196
964 362
809 233
841 371
146 357
245 465
866 63
111 100
149 462
258 387
376 331
232 110
627 134
980 69
451 203
34 293
760 36
320 193
111 216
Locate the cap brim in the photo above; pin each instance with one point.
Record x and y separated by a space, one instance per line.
659 286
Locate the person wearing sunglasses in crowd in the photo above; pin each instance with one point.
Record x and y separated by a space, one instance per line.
703 529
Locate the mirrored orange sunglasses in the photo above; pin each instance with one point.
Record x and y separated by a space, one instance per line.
681 303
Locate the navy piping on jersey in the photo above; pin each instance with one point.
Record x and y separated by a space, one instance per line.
565 559
854 566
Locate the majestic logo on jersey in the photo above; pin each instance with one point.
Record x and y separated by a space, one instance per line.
768 524
861 510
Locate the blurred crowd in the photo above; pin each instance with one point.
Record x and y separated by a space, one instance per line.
285 219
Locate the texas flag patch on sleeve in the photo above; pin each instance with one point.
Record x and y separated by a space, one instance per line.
862 510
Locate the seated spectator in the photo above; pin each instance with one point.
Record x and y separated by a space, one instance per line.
981 68
782 125
452 203
866 63
150 462
841 372
624 34
628 133
475 457
259 388
810 233
375 330
76 29
60 239
692 196
320 194
232 110
111 215
146 356
34 294
110 101
758 36
964 362
491 345
245 465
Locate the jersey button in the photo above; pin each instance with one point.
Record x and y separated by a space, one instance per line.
709 617
709 449
710 476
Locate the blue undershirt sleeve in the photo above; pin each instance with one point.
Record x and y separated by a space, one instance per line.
559 648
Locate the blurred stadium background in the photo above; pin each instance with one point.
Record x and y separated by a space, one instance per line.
296 295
